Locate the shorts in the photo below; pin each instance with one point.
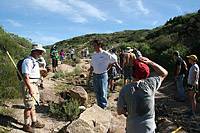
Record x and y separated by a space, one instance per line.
29 101
112 72
54 62
192 88
127 72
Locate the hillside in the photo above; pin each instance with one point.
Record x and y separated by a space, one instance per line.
179 33
18 48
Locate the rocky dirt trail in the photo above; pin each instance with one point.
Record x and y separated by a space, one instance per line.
49 94
170 114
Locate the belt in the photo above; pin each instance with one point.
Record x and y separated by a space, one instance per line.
100 73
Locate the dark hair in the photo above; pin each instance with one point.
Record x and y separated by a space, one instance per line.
61 50
176 53
98 42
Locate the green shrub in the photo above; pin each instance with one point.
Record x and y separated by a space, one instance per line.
77 70
59 75
67 111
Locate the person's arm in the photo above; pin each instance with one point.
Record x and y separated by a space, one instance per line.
194 78
28 84
124 61
178 70
52 53
121 111
90 73
159 69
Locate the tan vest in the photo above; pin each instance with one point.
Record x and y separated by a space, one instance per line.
129 59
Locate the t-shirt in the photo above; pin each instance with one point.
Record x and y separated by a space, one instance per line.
129 59
56 54
101 60
138 99
179 62
30 66
86 52
72 51
62 54
194 68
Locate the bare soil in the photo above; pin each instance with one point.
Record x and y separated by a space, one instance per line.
167 108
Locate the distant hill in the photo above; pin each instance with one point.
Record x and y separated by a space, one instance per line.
180 33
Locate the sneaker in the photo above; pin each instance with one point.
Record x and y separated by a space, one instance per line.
114 91
37 124
27 128
41 85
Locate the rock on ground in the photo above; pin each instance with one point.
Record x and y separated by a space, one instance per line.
79 93
94 119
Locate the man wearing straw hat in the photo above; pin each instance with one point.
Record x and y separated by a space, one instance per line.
193 79
31 73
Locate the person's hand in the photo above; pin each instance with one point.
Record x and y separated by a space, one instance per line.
145 60
89 77
31 92
43 70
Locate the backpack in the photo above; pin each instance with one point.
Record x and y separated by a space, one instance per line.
184 66
19 66
51 51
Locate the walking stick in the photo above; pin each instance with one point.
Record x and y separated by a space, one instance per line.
19 72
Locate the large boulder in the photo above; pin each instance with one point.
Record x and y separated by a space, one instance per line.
79 94
50 96
79 126
118 123
94 120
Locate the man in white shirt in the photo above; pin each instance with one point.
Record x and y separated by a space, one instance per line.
72 53
98 65
31 74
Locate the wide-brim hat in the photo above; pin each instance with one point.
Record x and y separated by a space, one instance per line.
193 57
37 46
129 49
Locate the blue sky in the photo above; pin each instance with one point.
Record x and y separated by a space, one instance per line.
49 21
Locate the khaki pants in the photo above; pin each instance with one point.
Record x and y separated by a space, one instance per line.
29 101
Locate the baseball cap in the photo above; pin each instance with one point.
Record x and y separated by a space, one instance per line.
141 69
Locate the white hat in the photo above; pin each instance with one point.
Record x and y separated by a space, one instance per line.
37 46
128 49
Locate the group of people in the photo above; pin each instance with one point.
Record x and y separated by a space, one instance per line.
192 80
55 55
136 99
85 53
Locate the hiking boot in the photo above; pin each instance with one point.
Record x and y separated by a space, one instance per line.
37 124
41 85
114 91
27 128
